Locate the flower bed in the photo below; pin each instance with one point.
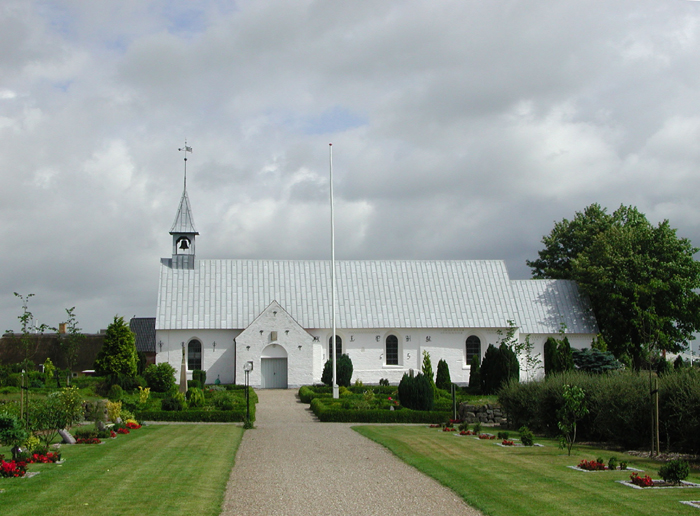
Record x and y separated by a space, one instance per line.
487 436
466 432
449 429
644 481
123 431
435 426
48 458
13 469
88 440
506 442
591 465
132 425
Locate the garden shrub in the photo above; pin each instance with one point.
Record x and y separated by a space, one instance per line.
200 376
12 432
612 463
114 410
595 361
85 433
343 371
499 366
475 375
675 471
174 402
416 392
115 392
442 378
193 384
384 382
195 398
526 436
222 401
160 377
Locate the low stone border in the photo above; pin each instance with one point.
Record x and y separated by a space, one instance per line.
683 485
31 474
692 503
603 470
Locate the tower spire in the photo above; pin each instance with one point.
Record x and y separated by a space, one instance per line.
183 230
185 149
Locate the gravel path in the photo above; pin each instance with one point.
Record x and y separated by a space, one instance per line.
293 465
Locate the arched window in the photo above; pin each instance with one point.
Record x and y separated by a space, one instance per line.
194 355
338 347
392 350
473 348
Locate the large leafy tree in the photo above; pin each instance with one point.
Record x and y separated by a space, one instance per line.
640 278
118 354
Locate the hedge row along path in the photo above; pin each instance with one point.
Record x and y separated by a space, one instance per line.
292 464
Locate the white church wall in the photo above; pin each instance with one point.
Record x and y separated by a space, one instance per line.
366 349
217 351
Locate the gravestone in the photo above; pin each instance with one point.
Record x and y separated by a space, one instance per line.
67 437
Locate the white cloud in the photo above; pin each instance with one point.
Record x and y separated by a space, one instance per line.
460 130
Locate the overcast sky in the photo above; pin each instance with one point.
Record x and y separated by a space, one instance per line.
460 130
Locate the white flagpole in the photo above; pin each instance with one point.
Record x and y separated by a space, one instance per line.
333 337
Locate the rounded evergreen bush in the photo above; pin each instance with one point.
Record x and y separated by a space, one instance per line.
160 377
343 371
195 398
442 379
675 471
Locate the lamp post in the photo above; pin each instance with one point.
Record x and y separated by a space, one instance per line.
247 368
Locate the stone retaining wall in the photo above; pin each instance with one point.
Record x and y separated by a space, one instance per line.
490 414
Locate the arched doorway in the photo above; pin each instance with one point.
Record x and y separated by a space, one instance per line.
273 367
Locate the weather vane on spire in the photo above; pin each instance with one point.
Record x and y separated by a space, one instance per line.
186 149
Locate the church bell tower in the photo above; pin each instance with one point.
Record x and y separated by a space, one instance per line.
183 230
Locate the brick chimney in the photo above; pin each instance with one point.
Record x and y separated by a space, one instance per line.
62 327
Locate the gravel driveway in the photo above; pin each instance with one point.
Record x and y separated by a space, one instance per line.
293 465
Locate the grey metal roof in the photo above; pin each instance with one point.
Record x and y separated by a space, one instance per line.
184 221
543 305
220 294
145 330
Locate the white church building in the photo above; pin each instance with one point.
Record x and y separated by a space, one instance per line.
276 314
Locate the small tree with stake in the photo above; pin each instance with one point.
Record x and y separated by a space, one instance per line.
570 414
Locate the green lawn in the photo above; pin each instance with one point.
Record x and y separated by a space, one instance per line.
503 481
156 470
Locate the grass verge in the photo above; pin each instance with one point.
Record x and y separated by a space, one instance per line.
504 481
156 470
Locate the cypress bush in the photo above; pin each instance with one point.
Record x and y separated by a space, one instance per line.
475 375
343 371
499 366
416 392
442 380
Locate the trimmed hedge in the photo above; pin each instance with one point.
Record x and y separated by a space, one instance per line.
208 416
620 410
337 415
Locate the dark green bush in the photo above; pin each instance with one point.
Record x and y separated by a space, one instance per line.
85 433
343 371
526 436
193 384
442 378
115 392
416 392
675 471
200 376
475 375
160 377
195 398
171 404
223 401
384 382
499 366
